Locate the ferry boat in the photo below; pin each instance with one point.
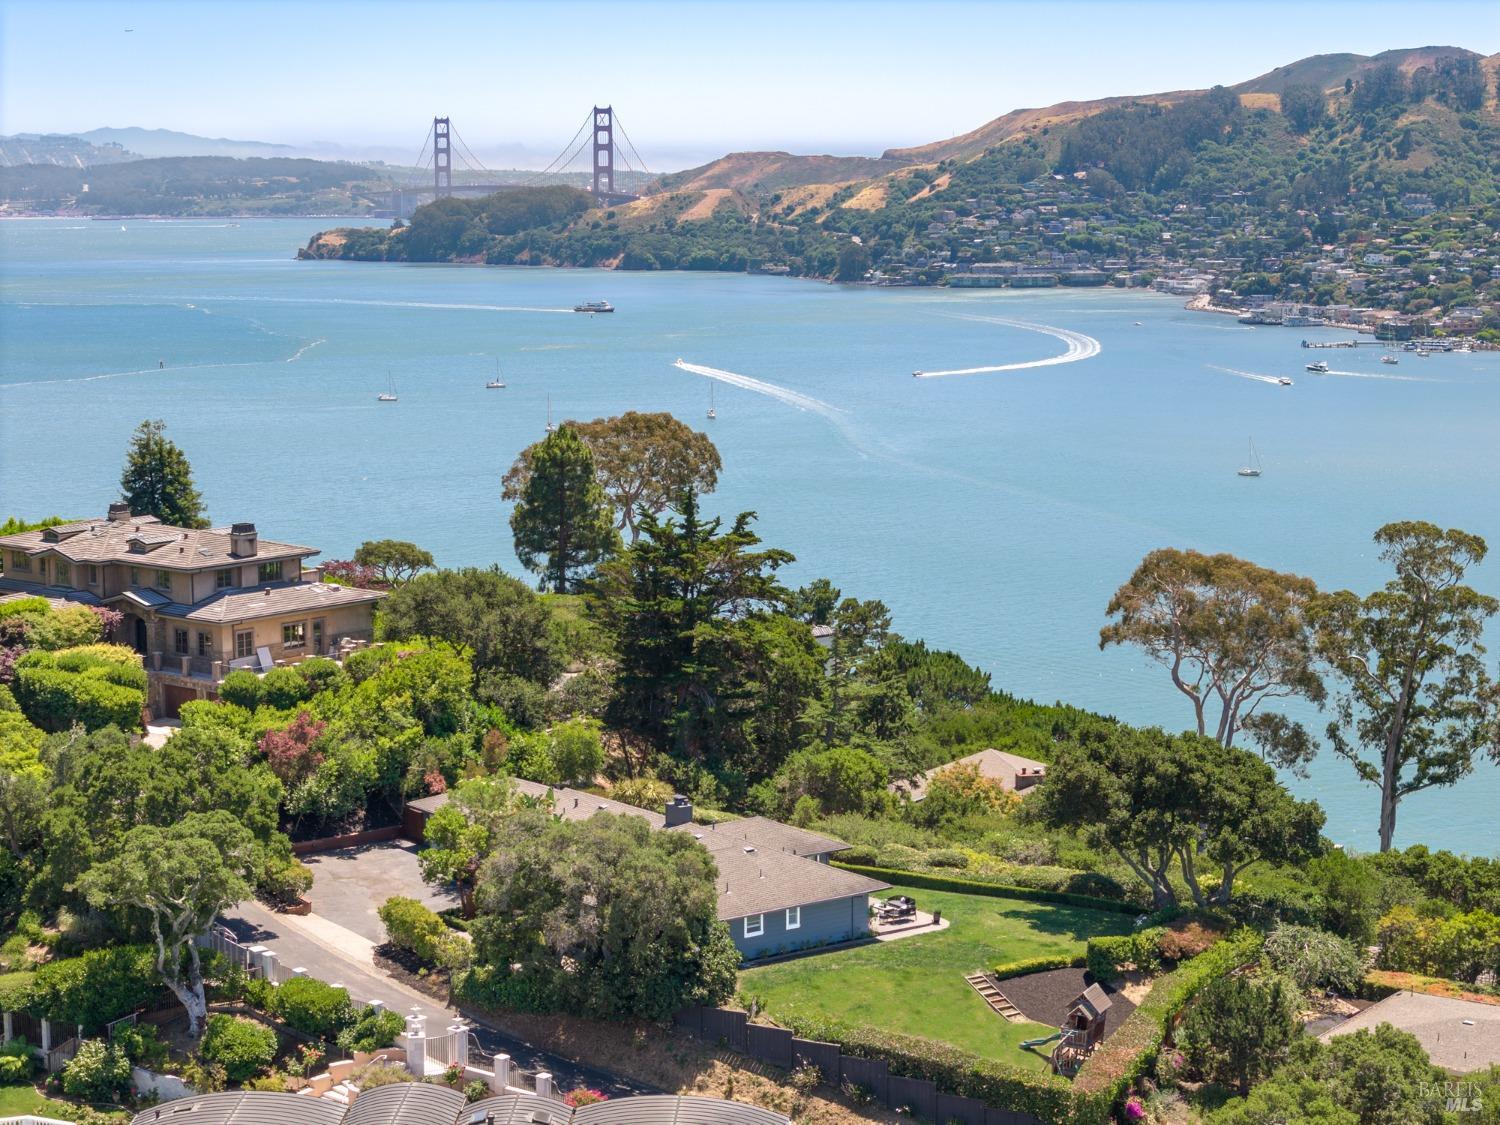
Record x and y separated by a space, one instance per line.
594 307
1318 367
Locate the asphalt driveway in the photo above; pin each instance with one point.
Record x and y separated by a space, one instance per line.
349 884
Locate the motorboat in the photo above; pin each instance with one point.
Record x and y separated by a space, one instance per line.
712 411
1284 381
1318 367
551 425
1392 360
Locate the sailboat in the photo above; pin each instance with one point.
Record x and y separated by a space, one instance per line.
497 383
388 395
1252 466
551 427
712 413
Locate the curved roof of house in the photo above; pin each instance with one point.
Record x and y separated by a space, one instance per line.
421 1103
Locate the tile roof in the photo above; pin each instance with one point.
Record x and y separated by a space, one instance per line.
1459 1035
999 765
172 548
58 597
270 601
771 835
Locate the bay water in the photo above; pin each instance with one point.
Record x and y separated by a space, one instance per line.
994 512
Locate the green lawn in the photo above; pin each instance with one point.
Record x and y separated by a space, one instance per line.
23 1101
916 985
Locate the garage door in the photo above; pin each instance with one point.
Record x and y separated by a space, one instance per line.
174 696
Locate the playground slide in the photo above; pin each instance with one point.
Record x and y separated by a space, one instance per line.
1038 1042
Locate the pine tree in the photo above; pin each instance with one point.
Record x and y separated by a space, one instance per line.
562 521
158 481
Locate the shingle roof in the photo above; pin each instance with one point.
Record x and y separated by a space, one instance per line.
1459 1035
570 804
418 1103
270 601
754 880
58 597
999 765
771 835
176 548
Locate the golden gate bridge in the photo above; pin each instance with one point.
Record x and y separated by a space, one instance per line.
443 143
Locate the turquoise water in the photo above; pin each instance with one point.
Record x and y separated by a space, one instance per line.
995 513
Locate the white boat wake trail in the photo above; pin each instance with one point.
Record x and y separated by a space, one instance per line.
1079 347
1378 375
1272 379
759 386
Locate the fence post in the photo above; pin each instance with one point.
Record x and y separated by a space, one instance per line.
543 1084
46 1035
460 1044
268 966
10 1032
502 1073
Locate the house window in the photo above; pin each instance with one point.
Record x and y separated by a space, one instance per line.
180 641
64 572
135 576
223 579
164 581
205 645
318 635
93 576
755 925
18 561
269 571
244 644
294 634
794 917
41 569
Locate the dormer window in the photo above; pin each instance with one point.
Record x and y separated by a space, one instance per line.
269 571
224 579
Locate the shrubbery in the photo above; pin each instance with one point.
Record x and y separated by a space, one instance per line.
95 685
995 890
312 1007
411 926
371 1030
1460 946
99 1072
16 1063
1314 958
100 986
242 1047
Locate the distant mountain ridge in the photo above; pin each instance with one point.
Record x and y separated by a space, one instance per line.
169 142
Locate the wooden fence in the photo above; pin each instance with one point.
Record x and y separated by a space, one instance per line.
779 1047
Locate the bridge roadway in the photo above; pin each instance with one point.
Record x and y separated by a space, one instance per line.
404 201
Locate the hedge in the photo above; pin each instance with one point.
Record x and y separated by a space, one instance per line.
96 685
411 926
313 1007
242 1047
1038 965
993 890
1108 954
15 991
100 986
1132 1049
954 1070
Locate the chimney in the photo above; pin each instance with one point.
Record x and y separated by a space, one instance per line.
119 512
242 540
679 811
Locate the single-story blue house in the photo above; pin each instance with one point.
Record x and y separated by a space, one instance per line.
777 891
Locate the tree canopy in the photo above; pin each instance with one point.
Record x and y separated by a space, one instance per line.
561 520
157 479
394 560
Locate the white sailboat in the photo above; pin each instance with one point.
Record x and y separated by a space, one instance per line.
1251 468
551 426
497 383
389 394
712 413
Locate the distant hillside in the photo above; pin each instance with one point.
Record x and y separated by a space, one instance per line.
773 171
1328 71
166 142
59 149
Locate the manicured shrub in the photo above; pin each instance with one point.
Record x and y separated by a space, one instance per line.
371 1030
242 688
1109 955
995 890
285 880
1037 965
411 926
321 674
99 1072
283 688
242 1047
96 686
313 1007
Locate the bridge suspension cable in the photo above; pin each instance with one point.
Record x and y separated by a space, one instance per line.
569 152
474 163
631 145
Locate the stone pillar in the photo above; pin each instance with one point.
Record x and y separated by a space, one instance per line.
460 1035
502 1074
543 1084
268 966
299 971
377 1006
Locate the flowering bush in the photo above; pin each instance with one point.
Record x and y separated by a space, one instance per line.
344 572
584 1096
289 750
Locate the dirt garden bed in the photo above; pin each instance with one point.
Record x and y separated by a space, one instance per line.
1047 997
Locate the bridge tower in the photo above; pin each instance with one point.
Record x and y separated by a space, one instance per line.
442 159
604 151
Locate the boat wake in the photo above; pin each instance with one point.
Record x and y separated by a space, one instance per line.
1379 375
304 349
388 304
1272 379
1079 347
761 387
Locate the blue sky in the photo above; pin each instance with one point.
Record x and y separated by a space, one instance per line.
685 77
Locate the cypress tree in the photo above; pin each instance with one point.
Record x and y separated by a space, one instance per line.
158 481
562 521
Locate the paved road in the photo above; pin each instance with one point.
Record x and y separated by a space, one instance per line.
340 956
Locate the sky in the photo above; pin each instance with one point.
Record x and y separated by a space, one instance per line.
686 79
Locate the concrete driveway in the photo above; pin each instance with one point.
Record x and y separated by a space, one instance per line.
349 884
